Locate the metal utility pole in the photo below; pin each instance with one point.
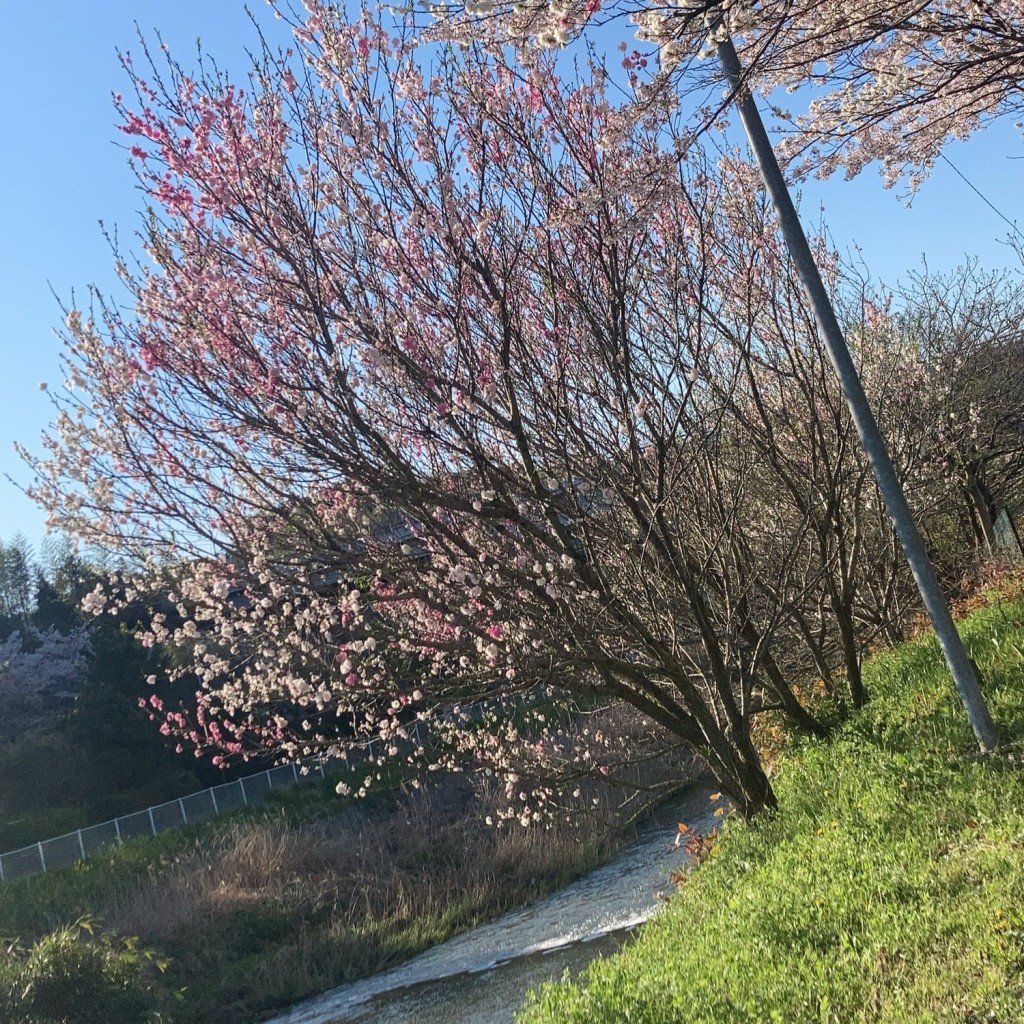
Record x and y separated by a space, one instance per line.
935 602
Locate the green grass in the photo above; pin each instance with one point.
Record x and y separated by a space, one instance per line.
889 887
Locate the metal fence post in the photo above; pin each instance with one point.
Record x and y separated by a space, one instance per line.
213 797
42 856
117 829
184 813
152 822
241 786
81 845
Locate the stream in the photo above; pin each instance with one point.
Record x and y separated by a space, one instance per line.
483 975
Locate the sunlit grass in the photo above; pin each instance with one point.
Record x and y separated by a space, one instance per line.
889 887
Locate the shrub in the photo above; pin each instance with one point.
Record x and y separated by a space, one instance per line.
74 976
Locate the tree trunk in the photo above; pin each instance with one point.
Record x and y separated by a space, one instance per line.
982 511
737 769
851 656
791 707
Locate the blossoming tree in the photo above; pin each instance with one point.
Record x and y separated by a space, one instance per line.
885 80
963 331
39 675
415 410
765 32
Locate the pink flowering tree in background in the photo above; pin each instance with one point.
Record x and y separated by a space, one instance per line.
414 418
40 671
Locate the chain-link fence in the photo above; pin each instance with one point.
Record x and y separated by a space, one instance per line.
51 854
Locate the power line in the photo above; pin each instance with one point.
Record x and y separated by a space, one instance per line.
981 195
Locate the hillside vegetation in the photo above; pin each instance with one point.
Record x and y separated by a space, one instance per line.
889 887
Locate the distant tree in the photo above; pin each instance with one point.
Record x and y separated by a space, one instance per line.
39 675
52 610
70 692
17 582
964 331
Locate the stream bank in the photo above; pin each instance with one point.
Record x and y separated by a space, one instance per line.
481 976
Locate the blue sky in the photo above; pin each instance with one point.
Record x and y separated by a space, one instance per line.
64 170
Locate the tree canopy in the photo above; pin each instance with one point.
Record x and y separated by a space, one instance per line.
890 81
455 391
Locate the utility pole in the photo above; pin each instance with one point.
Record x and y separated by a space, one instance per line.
960 665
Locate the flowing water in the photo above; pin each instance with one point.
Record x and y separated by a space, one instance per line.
482 976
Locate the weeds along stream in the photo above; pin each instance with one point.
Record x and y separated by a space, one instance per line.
258 912
482 976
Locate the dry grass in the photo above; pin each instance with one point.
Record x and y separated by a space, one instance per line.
268 913
261 911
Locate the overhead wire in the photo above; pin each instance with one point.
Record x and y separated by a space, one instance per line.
981 195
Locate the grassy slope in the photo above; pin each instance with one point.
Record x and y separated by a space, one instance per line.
890 887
